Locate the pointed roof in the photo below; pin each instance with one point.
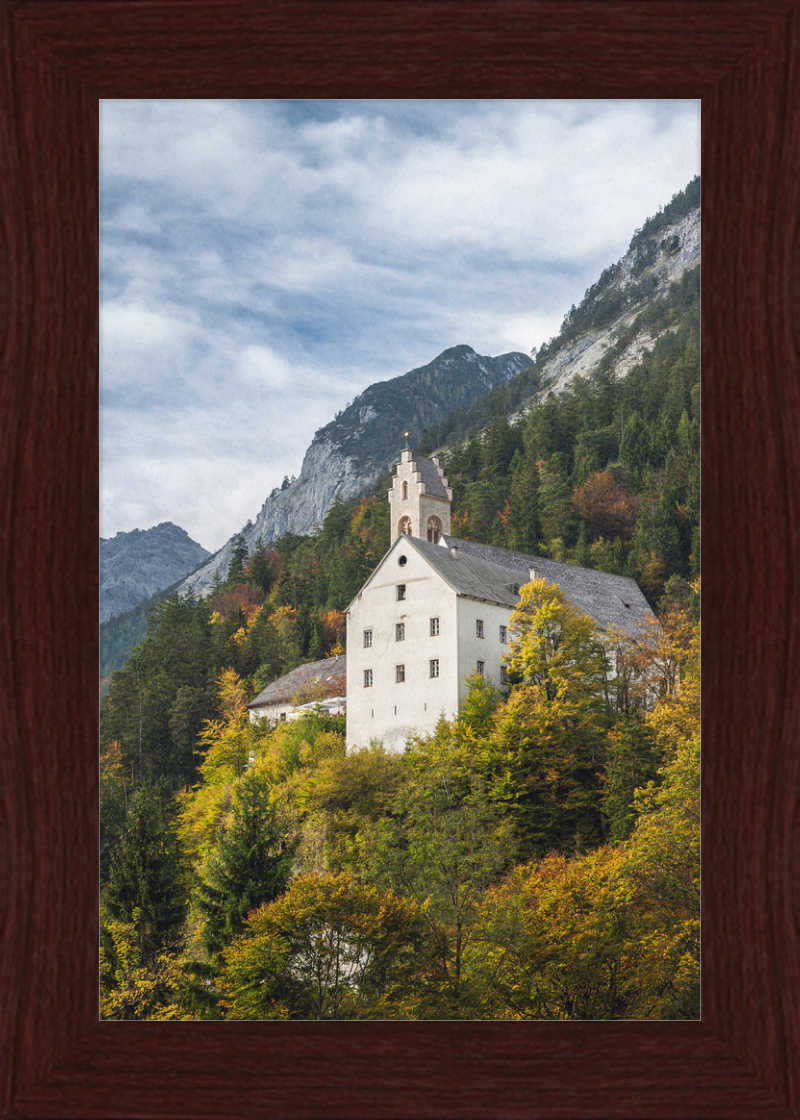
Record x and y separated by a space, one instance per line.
429 475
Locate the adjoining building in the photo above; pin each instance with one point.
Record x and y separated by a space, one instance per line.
436 610
318 682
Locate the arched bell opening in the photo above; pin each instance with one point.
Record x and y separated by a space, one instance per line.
434 529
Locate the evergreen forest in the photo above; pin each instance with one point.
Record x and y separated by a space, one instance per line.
537 857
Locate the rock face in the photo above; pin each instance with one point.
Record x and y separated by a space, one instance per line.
347 455
676 249
133 566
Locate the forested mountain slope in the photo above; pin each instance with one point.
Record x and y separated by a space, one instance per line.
633 303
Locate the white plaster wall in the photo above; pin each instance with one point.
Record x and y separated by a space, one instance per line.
271 712
420 699
488 649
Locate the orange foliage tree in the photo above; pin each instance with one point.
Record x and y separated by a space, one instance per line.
607 509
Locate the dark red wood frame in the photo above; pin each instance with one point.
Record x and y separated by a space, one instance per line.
59 57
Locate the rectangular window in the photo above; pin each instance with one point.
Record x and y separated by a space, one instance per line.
367 639
480 668
400 673
503 638
479 628
367 678
503 675
435 668
434 627
401 591
400 632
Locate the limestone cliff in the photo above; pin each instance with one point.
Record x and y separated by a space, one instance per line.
639 279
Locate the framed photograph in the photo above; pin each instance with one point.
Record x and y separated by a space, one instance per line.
741 58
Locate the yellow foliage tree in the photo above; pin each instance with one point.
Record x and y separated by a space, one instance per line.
330 948
225 744
130 986
614 934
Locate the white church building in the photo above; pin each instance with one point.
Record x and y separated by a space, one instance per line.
436 610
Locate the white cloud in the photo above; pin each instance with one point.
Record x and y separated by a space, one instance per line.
261 366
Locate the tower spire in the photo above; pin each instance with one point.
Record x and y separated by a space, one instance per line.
419 499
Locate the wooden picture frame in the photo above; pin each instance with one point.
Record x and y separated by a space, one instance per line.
59 57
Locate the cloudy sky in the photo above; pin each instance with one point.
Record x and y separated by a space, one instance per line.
263 262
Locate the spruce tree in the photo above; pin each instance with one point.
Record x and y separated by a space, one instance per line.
146 881
250 865
237 562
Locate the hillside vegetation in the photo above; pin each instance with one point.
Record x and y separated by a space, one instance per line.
535 858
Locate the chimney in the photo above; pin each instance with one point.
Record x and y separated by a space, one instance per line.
454 551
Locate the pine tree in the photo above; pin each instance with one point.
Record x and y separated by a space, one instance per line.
635 447
262 567
522 519
237 562
559 520
146 881
632 760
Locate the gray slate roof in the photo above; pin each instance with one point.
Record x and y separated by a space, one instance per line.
472 575
609 600
332 672
430 476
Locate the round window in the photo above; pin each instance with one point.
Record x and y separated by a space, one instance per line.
401 560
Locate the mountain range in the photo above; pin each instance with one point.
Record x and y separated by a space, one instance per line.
615 323
348 454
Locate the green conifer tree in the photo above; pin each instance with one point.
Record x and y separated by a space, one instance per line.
250 865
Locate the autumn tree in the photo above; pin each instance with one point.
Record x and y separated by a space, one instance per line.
605 507
224 745
113 803
135 985
339 797
442 844
544 758
613 934
329 948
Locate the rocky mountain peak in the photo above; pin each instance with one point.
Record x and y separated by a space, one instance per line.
136 564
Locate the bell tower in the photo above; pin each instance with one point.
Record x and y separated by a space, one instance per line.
419 500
